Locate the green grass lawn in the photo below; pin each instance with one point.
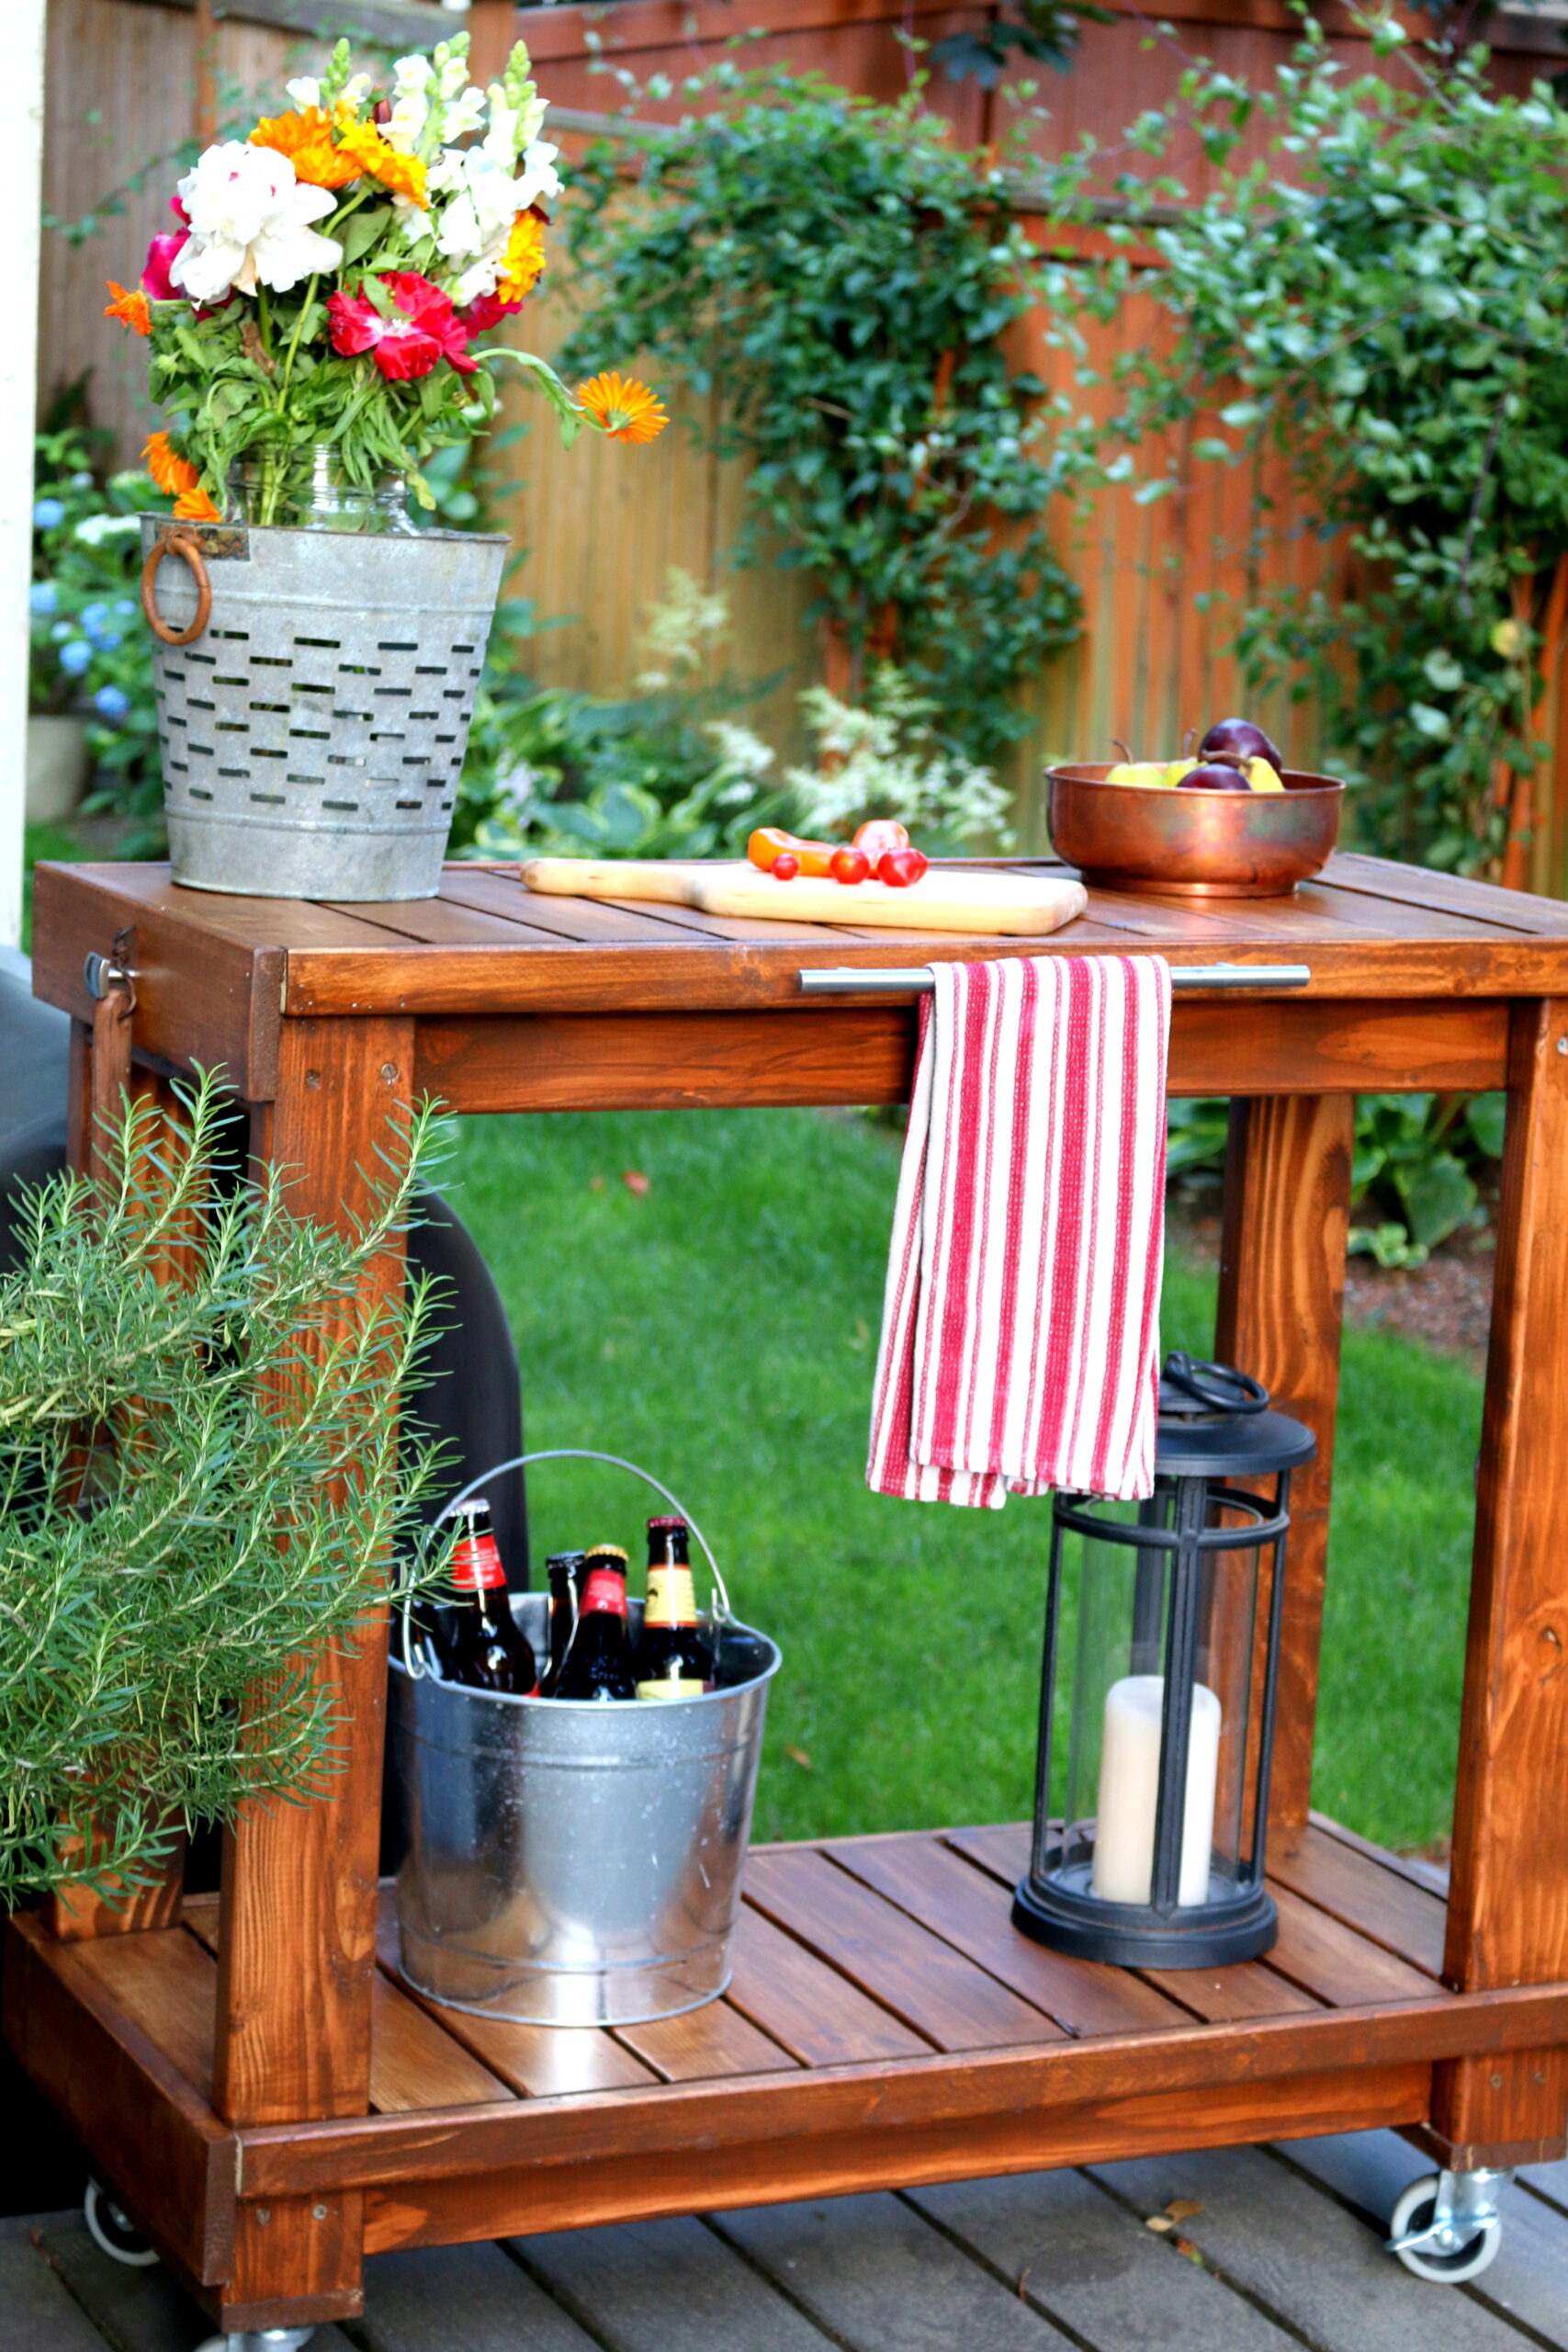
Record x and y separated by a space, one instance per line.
721 1330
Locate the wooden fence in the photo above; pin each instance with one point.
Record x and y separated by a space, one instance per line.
129 80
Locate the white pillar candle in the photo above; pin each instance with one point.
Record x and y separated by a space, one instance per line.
1129 1789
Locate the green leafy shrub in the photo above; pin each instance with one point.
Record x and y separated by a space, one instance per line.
846 281
1414 1174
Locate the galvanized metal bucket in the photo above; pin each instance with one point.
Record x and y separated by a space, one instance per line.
572 1863
313 728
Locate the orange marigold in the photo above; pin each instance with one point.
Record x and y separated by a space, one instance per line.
305 139
622 407
523 262
195 506
130 306
170 472
403 174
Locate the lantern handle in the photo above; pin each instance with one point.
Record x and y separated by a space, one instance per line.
1219 1385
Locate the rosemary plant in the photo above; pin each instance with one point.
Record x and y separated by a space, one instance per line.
202 1482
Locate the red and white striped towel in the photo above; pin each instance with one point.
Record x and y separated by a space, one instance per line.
1020 1330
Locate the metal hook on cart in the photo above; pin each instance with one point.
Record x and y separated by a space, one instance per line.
722 1613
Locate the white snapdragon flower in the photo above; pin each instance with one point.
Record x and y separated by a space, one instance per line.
454 73
411 104
483 202
513 128
305 91
249 224
500 142
356 89
464 114
538 177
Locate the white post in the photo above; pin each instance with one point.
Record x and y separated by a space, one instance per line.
21 144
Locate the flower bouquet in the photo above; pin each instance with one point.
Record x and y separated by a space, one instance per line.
316 323
330 279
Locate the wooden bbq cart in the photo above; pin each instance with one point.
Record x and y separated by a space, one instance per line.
252 2081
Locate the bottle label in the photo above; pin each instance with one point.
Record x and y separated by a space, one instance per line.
671 1598
683 1686
604 1594
476 1565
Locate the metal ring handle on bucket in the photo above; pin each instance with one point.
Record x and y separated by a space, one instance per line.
177 543
569 1454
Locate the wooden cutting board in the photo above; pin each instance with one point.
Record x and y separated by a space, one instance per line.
986 904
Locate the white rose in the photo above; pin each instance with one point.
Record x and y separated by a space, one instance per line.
250 220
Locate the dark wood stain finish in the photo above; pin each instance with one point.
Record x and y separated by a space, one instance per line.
270 2102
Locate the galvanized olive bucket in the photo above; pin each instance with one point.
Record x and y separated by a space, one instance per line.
314 691
571 1863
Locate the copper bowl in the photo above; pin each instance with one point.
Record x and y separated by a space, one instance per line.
1193 845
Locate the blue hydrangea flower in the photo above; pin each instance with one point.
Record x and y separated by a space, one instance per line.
111 702
61 630
93 617
48 515
74 656
106 640
43 596
123 604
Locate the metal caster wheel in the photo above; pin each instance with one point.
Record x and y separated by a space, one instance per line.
114 2233
1446 2227
259 2339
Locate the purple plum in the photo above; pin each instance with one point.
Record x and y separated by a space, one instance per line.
1242 740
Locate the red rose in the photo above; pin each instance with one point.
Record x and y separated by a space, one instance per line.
423 328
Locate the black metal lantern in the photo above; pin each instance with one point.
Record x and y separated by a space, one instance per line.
1153 1856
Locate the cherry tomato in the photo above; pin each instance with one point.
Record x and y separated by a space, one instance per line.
851 866
899 868
786 867
880 835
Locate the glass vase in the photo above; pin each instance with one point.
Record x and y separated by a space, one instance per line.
307 490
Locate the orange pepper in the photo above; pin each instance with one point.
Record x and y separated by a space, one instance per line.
770 842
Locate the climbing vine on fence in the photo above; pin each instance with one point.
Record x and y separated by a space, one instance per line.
847 281
1385 296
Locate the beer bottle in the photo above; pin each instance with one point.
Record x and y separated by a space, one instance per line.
598 1664
481 1642
565 1571
674 1657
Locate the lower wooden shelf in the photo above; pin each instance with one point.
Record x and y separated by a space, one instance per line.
885 2024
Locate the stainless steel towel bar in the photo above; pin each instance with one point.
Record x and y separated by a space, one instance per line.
840 980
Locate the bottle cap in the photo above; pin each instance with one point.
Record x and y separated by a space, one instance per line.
563 1560
610 1554
665 1523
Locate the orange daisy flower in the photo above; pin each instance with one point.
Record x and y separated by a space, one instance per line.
523 262
305 139
622 407
370 153
176 475
132 307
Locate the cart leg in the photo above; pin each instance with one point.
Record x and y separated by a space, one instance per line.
296 1948
1508 1904
1281 1302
